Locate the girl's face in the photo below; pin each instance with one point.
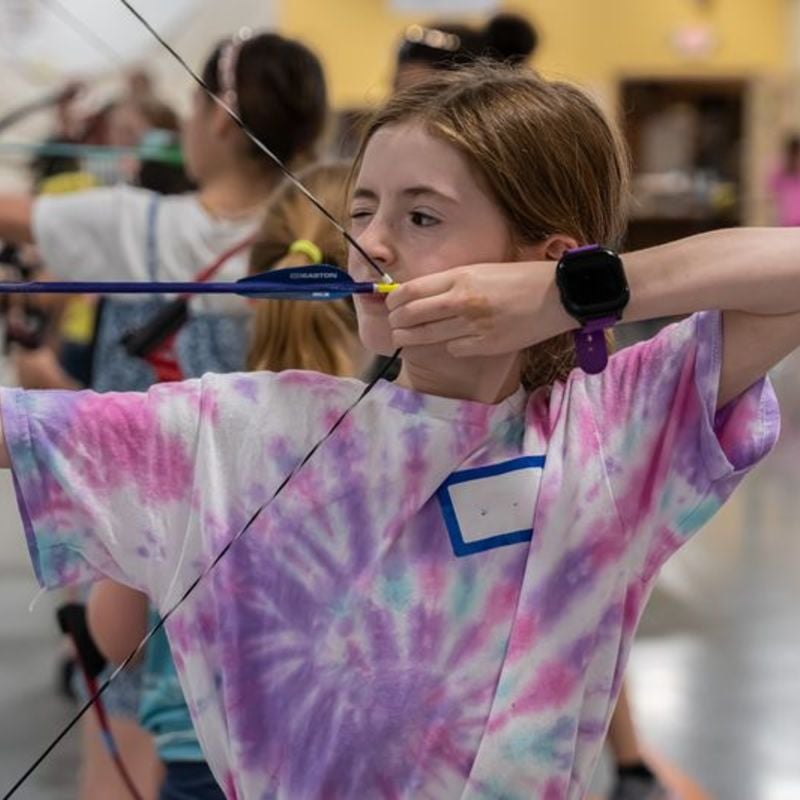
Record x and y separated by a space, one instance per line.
126 126
418 207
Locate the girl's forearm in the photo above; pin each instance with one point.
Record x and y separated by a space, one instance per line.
117 617
16 214
755 270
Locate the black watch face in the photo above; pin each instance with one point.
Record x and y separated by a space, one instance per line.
592 283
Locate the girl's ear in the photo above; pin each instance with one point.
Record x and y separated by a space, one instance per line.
550 249
220 122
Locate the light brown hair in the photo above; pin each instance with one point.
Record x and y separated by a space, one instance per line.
549 157
298 334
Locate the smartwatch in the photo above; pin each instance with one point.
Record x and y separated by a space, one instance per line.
594 290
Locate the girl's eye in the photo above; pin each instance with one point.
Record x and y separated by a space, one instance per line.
423 220
359 219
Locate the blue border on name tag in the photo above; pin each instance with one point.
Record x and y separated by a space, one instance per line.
462 548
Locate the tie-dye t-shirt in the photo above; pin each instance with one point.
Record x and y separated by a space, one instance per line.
439 604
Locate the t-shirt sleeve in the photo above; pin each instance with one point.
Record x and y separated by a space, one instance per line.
149 488
670 456
98 234
104 482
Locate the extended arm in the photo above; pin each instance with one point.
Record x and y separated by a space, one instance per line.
755 270
752 274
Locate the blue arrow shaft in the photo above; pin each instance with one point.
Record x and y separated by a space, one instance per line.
186 287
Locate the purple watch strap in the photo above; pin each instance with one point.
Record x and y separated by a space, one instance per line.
590 344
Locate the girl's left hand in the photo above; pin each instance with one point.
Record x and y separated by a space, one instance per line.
480 309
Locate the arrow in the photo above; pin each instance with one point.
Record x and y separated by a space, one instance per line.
315 282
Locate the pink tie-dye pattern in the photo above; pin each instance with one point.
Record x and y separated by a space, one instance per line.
340 649
127 424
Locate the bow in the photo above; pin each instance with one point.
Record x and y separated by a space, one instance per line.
386 279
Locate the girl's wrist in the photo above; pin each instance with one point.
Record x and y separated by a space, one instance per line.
540 305
561 320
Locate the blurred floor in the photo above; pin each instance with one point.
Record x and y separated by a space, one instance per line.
30 711
715 673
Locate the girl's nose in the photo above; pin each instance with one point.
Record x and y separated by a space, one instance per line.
376 243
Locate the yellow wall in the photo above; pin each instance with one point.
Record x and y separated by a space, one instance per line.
592 41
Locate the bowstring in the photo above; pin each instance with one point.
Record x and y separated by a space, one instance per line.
223 552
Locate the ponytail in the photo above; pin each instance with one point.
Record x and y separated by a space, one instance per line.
292 334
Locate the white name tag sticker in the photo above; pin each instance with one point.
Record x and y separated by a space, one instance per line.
492 506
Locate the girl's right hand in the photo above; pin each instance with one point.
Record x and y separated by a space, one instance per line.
480 309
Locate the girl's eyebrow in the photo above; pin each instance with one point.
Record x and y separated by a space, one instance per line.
362 193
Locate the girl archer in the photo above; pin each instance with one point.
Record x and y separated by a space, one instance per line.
440 601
